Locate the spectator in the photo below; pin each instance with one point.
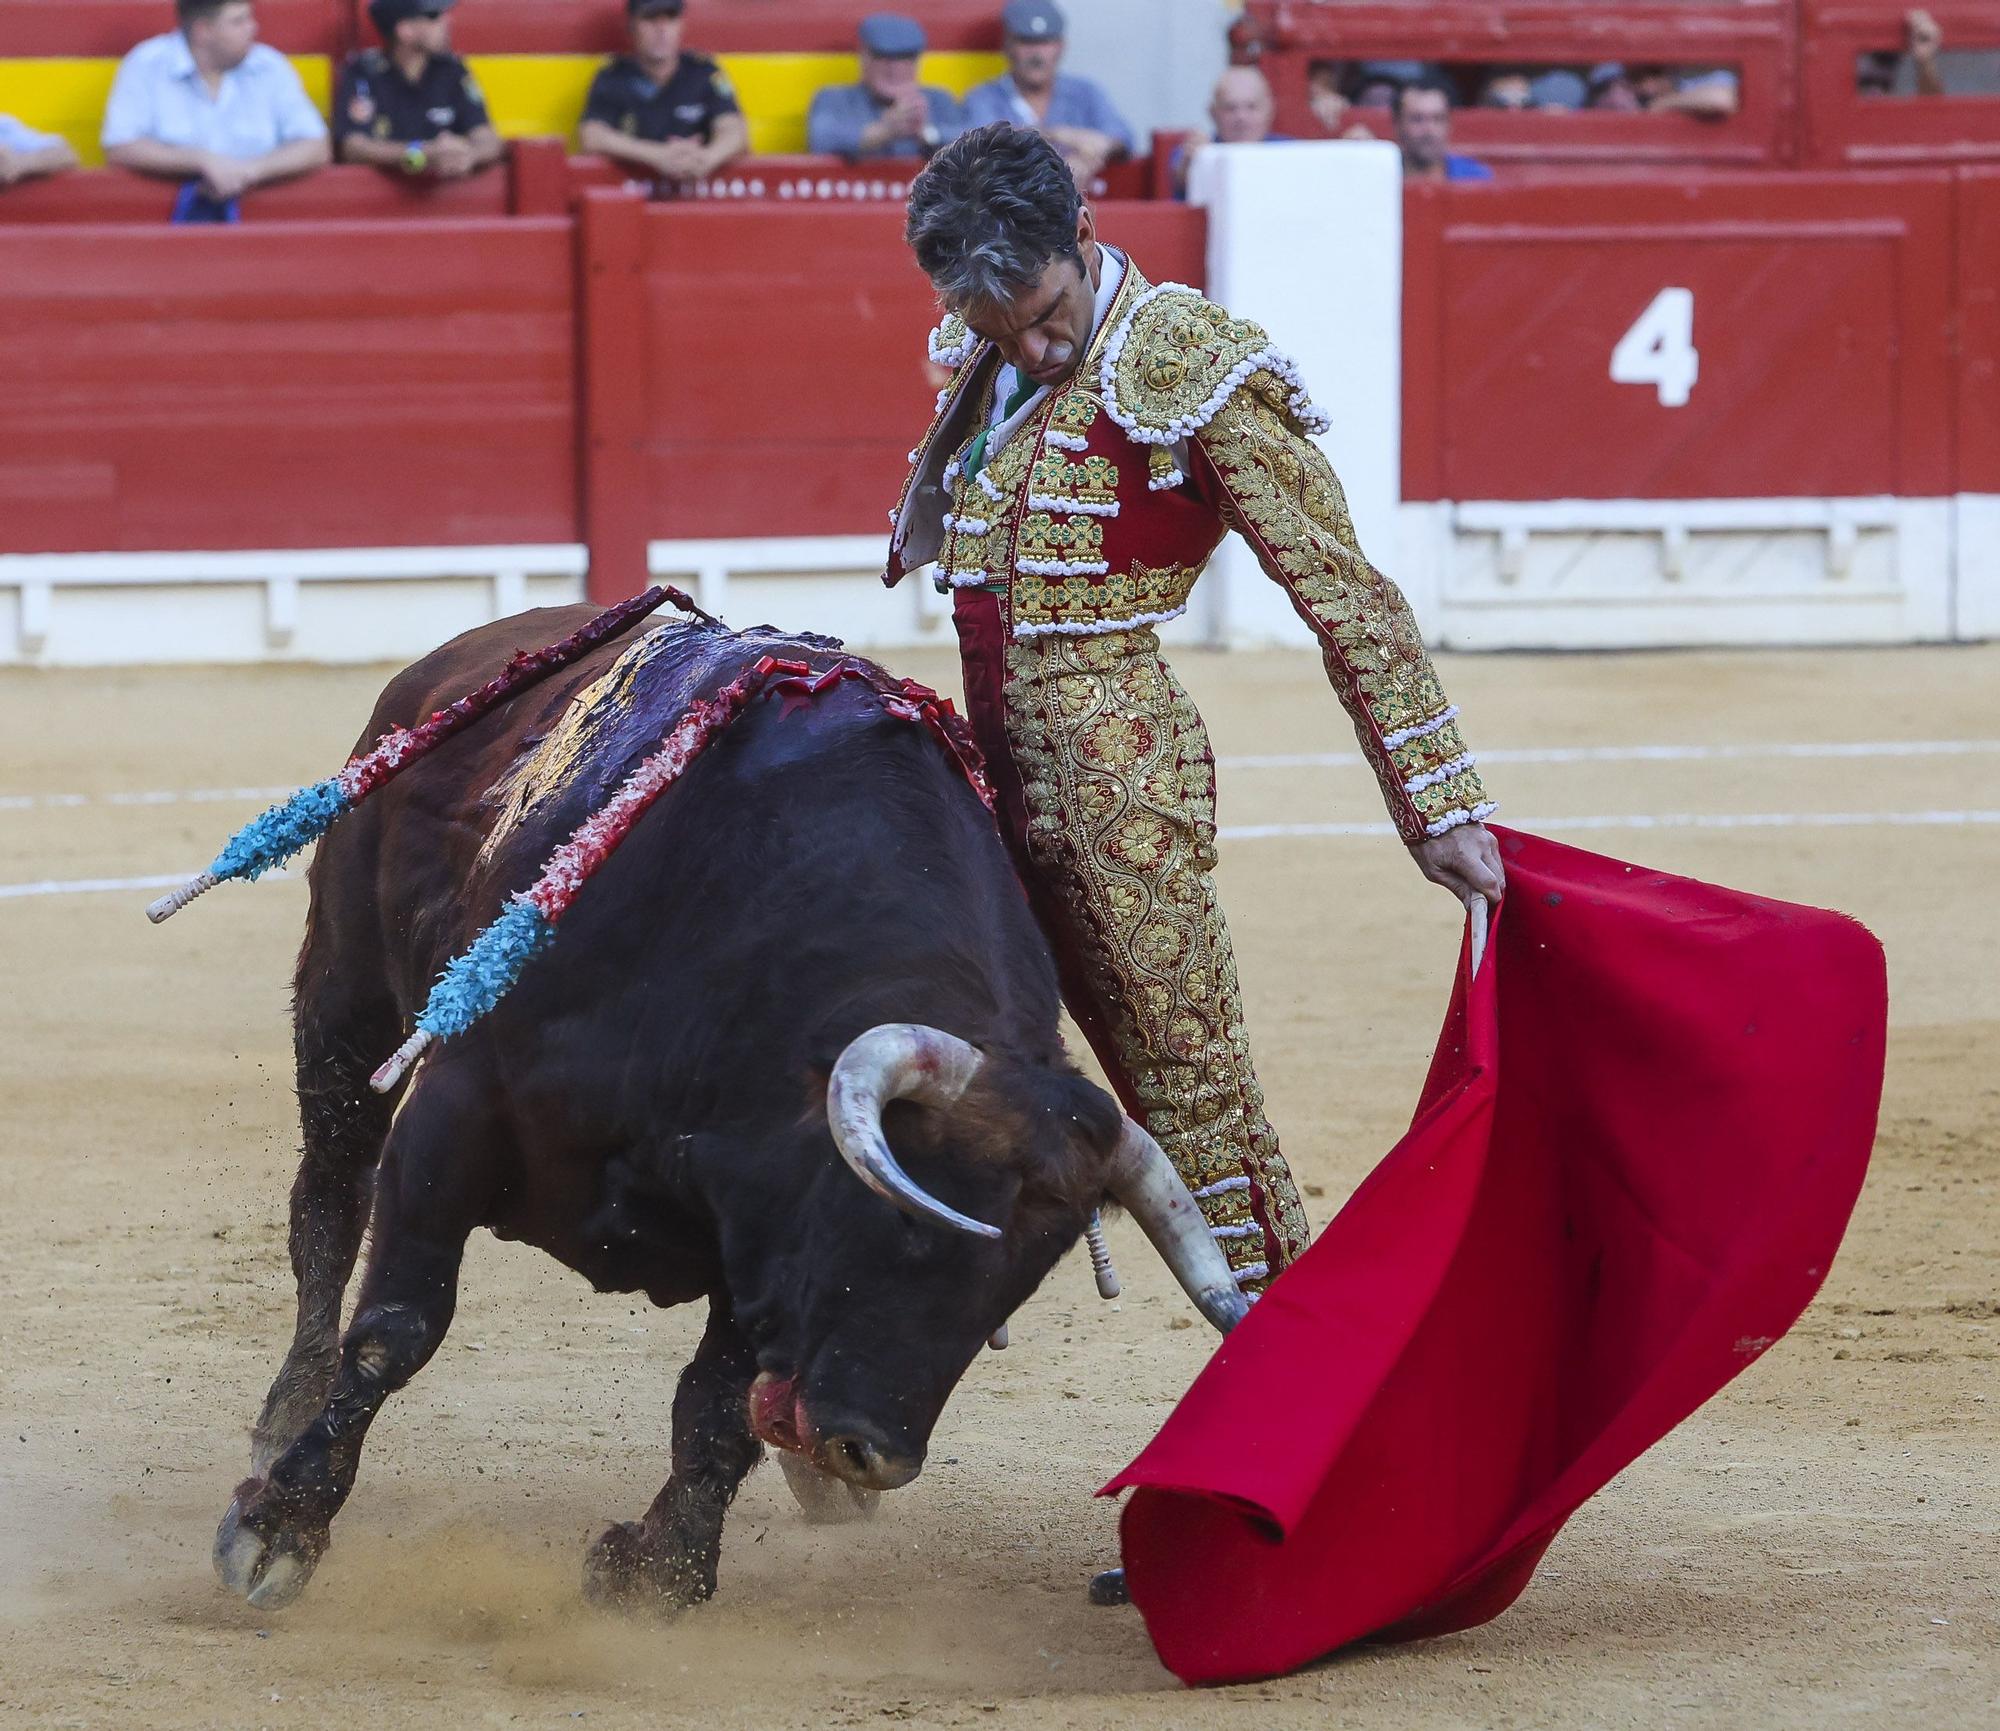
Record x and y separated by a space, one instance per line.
412 104
1876 75
1508 87
1710 94
671 114
209 105
888 113
1559 90
1074 113
1241 111
1325 96
26 154
1423 129
1610 90
1378 82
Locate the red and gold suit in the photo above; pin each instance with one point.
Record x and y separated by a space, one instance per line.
1063 547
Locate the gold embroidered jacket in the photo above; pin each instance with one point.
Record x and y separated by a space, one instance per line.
1102 508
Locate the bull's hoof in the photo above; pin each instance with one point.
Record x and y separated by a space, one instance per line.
824 1500
260 1558
1108 1588
624 1570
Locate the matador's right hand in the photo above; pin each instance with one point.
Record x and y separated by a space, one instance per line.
1466 860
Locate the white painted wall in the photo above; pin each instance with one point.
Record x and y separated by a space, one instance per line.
1158 59
1307 239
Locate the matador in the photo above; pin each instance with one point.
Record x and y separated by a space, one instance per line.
1098 437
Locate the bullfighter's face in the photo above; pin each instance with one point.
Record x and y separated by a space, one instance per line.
1044 328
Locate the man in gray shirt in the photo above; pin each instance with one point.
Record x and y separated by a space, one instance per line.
888 113
1074 113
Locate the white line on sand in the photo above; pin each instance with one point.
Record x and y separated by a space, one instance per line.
1277 760
1271 831
1646 753
151 796
1646 820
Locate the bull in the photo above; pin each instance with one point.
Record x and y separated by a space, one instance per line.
810 964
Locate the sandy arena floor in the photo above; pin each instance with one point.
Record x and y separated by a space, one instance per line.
1819 1547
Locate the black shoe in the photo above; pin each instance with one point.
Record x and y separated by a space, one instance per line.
1109 1588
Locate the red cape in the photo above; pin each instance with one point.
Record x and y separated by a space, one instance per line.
1644 1129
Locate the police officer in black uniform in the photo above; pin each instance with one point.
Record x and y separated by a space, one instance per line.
668 114
412 105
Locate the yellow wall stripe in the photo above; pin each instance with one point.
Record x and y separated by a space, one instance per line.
529 94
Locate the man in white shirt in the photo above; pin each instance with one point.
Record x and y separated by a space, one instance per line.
208 104
26 154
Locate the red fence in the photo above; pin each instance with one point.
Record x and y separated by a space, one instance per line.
1816 310
709 369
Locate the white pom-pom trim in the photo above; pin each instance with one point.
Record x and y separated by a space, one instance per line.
954 354
962 580
1234 1231
986 486
1096 627
966 525
1065 441
1423 729
1160 483
1252 1271
1222 1187
1272 360
1452 819
1076 507
1062 567
1443 772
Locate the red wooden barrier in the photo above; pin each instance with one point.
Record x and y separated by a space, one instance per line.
1979 331
88 29
714 26
101 195
1846 129
1756 36
785 373
1821 314
324 385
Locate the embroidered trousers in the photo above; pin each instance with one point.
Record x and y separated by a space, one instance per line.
1107 795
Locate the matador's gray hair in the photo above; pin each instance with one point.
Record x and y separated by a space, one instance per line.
992 211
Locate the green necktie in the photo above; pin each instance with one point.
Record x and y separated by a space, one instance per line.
975 455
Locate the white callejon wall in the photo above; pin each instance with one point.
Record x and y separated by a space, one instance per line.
1976 613
1307 239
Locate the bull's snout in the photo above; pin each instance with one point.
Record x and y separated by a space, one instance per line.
865 1461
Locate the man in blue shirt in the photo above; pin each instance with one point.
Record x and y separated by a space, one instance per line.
26 154
209 105
1423 129
1073 113
888 113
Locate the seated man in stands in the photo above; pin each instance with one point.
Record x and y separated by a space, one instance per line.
1709 94
888 113
1073 113
412 104
1242 111
671 114
1423 129
1877 74
26 154
209 105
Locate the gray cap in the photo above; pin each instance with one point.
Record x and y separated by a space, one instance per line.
1033 21
892 36
1605 72
1557 89
1391 71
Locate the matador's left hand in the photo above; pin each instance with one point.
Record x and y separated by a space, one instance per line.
1466 860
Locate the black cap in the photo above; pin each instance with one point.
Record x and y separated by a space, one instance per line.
648 8
387 14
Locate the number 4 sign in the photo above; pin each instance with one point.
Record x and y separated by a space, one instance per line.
1659 348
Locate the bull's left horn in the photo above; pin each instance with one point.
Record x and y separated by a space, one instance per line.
898 1061
1143 1179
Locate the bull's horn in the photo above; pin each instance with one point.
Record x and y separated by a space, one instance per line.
1144 1180
898 1061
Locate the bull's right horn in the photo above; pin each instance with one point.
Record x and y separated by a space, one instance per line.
1144 1180
898 1061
